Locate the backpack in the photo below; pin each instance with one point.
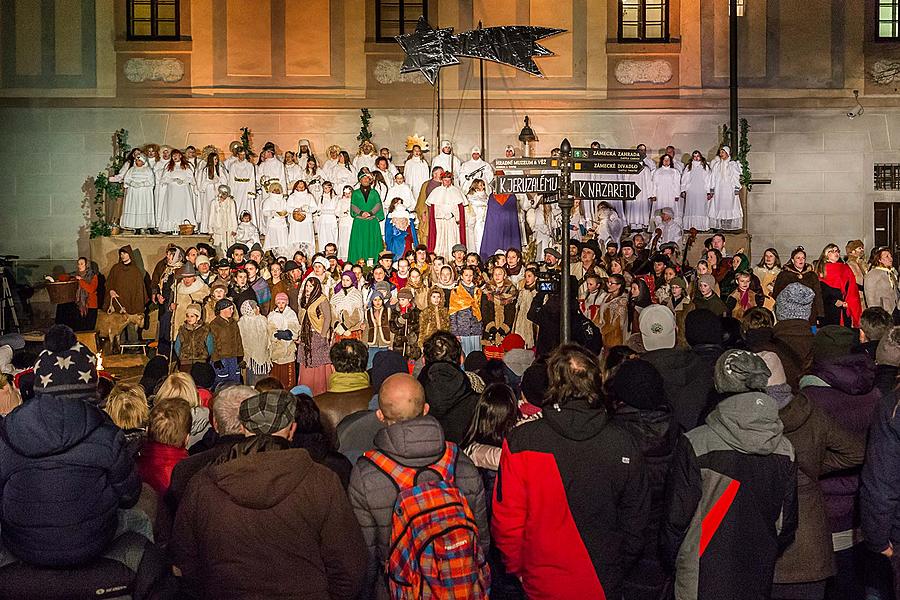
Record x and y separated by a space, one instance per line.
434 550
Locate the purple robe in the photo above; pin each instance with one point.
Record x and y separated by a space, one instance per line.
501 225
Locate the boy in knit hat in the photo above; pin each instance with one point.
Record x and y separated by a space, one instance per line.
226 350
191 344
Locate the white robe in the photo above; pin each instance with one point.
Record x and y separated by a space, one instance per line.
327 228
416 172
243 188
725 209
473 169
247 233
301 234
672 231
345 227
139 211
446 201
207 191
476 213
637 211
276 225
667 190
448 162
176 199
695 185
340 176
292 173
364 160
269 171
222 223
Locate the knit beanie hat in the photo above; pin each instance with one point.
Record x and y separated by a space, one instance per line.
638 383
679 281
223 304
535 382
888 352
385 364
708 280
193 309
794 302
474 361
702 326
739 371
65 365
657 324
833 341
776 369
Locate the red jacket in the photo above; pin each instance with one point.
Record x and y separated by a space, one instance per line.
156 462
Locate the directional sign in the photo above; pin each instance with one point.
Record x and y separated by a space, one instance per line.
620 154
527 184
605 190
598 166
527 163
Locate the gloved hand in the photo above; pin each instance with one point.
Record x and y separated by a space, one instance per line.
284 334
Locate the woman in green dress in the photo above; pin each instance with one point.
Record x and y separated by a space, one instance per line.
366 239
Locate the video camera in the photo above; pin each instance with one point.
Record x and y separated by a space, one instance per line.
548 281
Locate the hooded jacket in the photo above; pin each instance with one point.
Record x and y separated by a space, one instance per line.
879 497
822 446
281 528
129 282
450 395
571 503
688 382
844 388
54 453
732 501
415 443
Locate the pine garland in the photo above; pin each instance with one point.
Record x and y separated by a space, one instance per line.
365 134
740 153
247 140
106 190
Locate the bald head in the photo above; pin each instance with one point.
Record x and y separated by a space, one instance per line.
401 398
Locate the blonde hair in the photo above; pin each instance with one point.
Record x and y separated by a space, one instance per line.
179 385
127 406
170 422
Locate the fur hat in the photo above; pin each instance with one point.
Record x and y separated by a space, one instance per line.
65 365
739 371
193 309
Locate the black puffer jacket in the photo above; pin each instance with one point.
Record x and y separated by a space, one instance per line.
688 381
449 393
65 470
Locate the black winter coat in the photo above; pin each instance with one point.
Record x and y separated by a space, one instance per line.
54 454
688 383
449 393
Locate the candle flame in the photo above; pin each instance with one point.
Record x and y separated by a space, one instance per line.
99 361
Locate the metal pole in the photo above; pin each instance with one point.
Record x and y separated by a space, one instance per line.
566 202
484 150
733 77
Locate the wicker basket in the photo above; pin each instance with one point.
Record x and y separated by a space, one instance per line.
63 292
298 215
186 228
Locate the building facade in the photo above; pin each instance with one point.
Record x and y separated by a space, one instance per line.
182 72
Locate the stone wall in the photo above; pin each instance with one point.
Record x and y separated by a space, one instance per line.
819 161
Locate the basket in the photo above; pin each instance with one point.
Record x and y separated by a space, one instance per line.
298 215
63 292
186 228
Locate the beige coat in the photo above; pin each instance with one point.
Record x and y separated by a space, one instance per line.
881 289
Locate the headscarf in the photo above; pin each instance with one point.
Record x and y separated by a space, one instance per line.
306 323
340 284
81 297
248 307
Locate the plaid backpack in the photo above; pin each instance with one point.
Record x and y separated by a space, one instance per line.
434 549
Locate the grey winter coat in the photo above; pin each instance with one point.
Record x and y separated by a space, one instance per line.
415 443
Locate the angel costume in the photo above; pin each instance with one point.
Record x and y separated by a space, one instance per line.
327 227
277 238
222 222
207 190
637 211
476 213
416 172
176 198
243 188
475 168
667 189
301 234
725 181
695 184
268 172
139 212
345 227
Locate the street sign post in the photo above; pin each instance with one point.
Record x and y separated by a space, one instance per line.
545 183
546 162
605 190
617 154
607 166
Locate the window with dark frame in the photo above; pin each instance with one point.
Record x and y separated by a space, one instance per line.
395 17
888 20
153 19
887 176
644 20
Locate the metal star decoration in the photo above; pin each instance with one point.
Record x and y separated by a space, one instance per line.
427 50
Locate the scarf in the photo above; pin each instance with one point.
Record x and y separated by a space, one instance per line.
347 382
311 320
464 298
892 276
81 298
745 299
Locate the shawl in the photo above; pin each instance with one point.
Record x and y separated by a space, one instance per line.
461 299
312 319
347 309
263 292
505 293
171 266
81 298
255 339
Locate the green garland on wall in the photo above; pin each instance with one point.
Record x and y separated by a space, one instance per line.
743 150
365 134
247 141
106 190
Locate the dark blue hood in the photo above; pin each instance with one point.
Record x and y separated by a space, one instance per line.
49 425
